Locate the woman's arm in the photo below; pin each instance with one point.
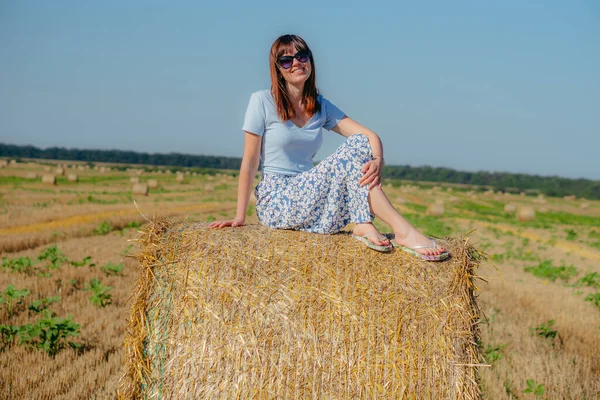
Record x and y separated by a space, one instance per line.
248 169
372 169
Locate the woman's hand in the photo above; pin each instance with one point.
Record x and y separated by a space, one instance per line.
230 222
372 173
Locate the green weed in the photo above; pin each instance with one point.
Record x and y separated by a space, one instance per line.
12 297
23 265
571 234
127 250
545 330
546 270
591 279
54 256
103 229
86 261
534 388
494 353
42 304
113 269
100 296
48 334
594 298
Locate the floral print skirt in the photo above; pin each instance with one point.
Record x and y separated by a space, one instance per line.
322 200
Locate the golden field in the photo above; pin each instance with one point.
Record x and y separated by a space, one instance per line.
539 292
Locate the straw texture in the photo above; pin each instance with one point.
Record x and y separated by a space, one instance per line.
253 312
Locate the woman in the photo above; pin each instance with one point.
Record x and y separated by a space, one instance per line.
283 128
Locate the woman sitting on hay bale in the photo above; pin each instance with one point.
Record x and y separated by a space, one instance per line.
283 127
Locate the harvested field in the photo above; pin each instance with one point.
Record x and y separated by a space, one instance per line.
540 320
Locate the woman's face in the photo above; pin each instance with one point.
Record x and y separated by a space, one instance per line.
299 72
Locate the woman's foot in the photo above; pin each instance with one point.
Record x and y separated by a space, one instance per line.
365 228
414 238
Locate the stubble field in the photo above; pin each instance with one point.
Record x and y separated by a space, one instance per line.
66 250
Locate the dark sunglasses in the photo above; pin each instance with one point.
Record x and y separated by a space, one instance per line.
286 62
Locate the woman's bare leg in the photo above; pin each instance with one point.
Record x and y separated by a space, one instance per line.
406 234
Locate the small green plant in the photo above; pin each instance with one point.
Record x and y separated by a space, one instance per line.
12 297
86 261
48 333
591 279
210 218
127 250
112 269
534 388
130 225
571 234
54 256
546 270
545 330
39 305
100 296
21 265
494 353
103 229
594 298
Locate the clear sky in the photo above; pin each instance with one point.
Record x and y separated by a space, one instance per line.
509 85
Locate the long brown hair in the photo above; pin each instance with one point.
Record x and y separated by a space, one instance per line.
285 111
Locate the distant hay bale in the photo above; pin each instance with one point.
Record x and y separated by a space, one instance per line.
449 190
134 180
140 188
194 174
180 177
49 179
59 171
253 312
31 175
570 198
584 206
187 172
522 194
47 168
3 163
73 178
152 183
13 163
435 210
81 168
209 187
401 200
510 208
526 213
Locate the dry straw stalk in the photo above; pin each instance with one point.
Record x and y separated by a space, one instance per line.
258 313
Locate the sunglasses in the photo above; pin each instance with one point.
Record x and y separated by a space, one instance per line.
286 62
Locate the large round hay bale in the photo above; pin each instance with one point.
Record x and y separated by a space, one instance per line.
134 180
584 206
152 183
209 187
49 179
180 177
253 312
526 214
510 208
73 178
436 209
59 171
3 163
31 175
140 188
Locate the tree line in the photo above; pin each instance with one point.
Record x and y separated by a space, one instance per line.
502 181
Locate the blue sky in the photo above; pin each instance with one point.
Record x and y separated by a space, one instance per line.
498 86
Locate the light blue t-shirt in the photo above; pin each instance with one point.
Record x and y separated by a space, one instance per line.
287 149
